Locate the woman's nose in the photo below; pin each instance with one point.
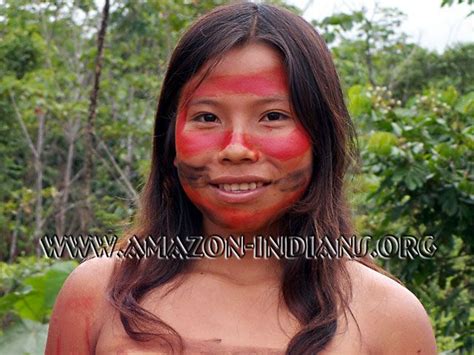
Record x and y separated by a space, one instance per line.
238 150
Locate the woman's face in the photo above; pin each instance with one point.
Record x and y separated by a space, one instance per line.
242 156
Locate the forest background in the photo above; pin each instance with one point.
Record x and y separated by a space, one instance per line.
78 90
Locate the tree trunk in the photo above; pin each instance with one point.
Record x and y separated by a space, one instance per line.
39 181
87 213
14 241
368 54
129 156
37 165
64 198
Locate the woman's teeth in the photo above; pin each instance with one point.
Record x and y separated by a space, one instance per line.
241 187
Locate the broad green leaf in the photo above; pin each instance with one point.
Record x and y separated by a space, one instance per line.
359 102
381 143
38 302
25 337
465 104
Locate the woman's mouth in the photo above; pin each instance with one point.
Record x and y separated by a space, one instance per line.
241 187
239 192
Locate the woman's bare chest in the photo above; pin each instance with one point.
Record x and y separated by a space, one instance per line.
209 326
114 340
212 319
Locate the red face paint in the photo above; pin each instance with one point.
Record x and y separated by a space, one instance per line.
285 147
240 217
263 84
272 82
268 83
280 149
193 143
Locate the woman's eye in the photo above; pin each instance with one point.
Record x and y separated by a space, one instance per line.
206 117
275 116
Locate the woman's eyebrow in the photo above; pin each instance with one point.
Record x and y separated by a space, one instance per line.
258 100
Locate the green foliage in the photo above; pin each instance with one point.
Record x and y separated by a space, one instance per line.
381 143
452 2
25 337
18 54
421 158
29 287
359 100
371 48
28 290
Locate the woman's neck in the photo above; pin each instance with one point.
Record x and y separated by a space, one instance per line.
246 271
243 267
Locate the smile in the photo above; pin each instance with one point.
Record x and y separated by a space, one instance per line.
237 193
241 187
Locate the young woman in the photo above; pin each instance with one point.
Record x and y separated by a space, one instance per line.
252 138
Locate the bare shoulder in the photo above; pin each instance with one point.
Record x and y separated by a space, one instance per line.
391 318
80 308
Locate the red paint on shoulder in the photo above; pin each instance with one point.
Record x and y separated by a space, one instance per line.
58 345
87 333
80 304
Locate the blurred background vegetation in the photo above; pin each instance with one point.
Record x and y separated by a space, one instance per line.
70 167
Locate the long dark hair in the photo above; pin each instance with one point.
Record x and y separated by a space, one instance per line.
315 290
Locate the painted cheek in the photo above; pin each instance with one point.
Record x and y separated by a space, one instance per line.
293 145
189 144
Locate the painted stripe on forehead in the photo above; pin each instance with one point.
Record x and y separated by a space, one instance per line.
261 84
